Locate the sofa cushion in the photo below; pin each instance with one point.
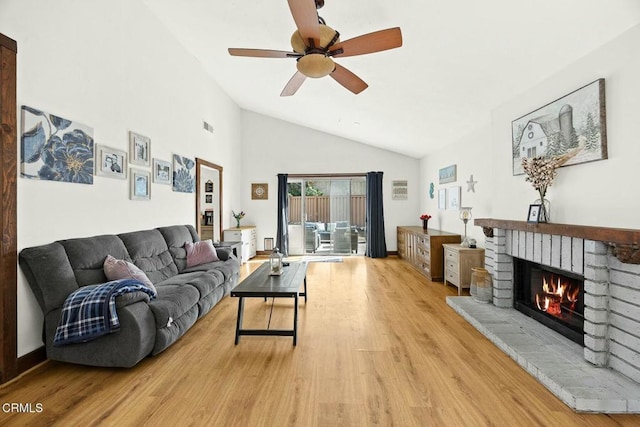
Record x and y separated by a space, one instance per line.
204 281
116 269
172 302
175 236
227 268
200 253
149 252
87 255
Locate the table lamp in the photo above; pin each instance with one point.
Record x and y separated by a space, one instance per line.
465 216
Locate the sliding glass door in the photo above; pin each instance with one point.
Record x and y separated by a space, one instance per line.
340 215
327 215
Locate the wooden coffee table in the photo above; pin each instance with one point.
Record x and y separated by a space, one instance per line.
260 284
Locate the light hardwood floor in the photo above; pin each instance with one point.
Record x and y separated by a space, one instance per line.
377 345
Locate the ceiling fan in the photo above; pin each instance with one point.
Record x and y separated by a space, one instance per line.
315 44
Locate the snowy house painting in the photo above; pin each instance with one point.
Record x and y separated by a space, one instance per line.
573 123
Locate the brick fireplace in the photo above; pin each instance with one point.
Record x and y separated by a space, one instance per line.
609 262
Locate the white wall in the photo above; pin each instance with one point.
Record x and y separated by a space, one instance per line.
273 146
114 67
601 193
472 156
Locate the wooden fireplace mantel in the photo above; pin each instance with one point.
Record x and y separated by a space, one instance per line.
625 242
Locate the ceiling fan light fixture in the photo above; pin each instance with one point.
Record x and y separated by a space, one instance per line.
327 36
315 65
297 44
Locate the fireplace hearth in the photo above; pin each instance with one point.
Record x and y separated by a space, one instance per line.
607 262
553 297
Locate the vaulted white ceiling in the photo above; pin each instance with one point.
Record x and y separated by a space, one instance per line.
460 59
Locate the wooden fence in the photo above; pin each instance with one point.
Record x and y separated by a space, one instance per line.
328 209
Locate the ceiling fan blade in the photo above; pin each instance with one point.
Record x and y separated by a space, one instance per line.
349 80
263 53
306 18
369 43
294 84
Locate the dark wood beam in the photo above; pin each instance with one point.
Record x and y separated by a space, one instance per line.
601 234
625 242
8 210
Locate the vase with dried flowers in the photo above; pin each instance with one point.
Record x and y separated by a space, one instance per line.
425 221
541 171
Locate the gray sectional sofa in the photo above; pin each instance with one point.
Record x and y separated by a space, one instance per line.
147 326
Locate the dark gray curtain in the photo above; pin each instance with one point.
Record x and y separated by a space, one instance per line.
376 243
282 239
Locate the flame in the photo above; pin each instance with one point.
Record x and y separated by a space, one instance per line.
542 303
556 292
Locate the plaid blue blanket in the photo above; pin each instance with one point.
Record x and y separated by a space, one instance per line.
90 312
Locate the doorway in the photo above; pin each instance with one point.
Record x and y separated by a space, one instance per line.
208 200
327 215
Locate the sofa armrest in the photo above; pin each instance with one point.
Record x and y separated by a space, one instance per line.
131 298
223 253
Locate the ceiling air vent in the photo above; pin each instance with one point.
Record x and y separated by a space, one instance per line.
207 127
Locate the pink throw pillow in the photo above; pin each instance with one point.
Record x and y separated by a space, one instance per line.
200 253
116 269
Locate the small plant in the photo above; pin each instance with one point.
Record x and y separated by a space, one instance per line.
238 216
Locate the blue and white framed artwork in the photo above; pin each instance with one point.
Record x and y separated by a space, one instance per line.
184 174
54 148
140 184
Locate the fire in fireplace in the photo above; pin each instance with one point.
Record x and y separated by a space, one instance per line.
552 297
558 296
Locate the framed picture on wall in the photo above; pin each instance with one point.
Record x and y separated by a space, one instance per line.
111 162
140 185
453 198
399 190
260 191
442 198
448 174
184 174
162 172
573 125
139 149
44 148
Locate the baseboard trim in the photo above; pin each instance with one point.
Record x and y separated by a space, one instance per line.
31 359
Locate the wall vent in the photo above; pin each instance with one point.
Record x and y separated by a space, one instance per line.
207 127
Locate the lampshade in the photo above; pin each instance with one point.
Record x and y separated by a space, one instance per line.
327 35
465 216
465 213
315 65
